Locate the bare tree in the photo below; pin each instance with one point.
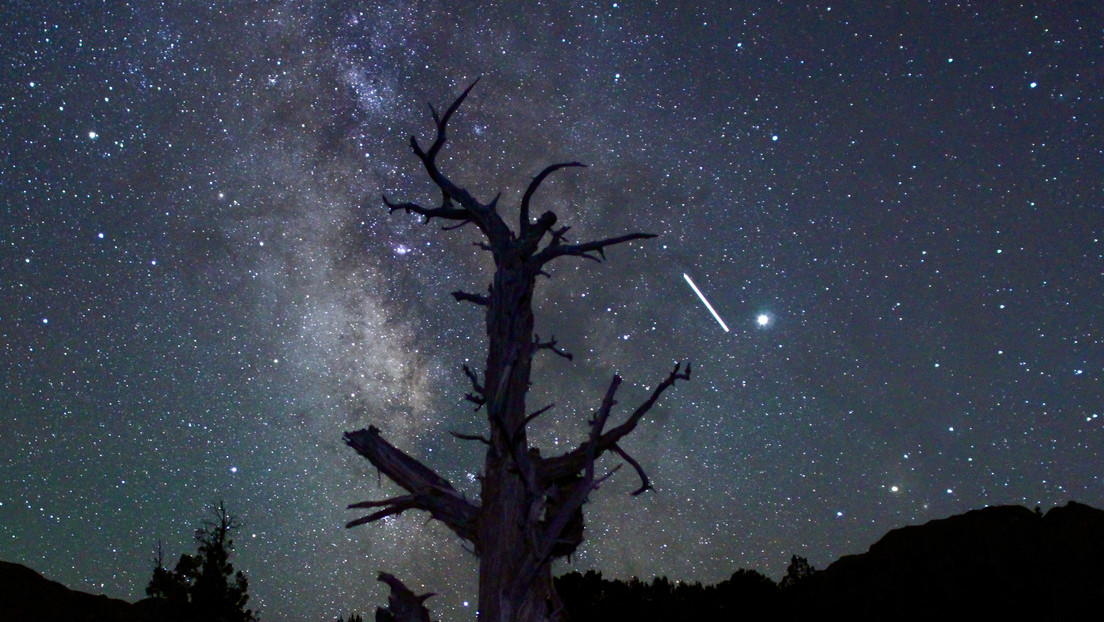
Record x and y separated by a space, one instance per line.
530 507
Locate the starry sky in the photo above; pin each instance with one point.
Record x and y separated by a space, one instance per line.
201 290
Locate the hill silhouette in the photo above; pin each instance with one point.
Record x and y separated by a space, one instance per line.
27 596
1001 560
998 559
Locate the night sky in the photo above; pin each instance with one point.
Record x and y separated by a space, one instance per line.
201 289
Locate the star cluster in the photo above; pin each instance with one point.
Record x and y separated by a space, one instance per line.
897 211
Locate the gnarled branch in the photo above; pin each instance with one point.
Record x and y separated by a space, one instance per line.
442 124
533 185
484 216
428 491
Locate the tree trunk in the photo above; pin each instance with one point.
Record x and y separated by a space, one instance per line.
506 532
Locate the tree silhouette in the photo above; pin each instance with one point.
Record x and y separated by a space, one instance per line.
591 598
171 585
798 570
206 580
530 506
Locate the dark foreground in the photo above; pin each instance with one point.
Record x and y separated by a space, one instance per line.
1005 560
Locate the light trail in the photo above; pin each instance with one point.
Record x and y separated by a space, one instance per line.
706 302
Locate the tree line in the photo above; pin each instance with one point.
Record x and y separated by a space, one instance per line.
590 597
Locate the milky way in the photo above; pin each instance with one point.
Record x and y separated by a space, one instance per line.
202 289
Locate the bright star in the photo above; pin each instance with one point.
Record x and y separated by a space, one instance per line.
762 319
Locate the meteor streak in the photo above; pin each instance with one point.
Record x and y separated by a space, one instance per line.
706 302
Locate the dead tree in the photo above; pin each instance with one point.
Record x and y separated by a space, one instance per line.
530 507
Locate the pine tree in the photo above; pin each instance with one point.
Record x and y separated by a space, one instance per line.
798 570
207 579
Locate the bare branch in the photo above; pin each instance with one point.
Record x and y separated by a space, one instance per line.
574 461
533 185
567 510
478 398
599 422
395 505
558 235
589 250
456 226
381 503
428 491
470 373
478 299
590 449
533 416
442 123
445 211
469 209
551 345
625 428
645 484
471 437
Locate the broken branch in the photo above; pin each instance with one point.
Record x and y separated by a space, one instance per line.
478 299
396 505
551 345
428 491
471 437
402 604
479 398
